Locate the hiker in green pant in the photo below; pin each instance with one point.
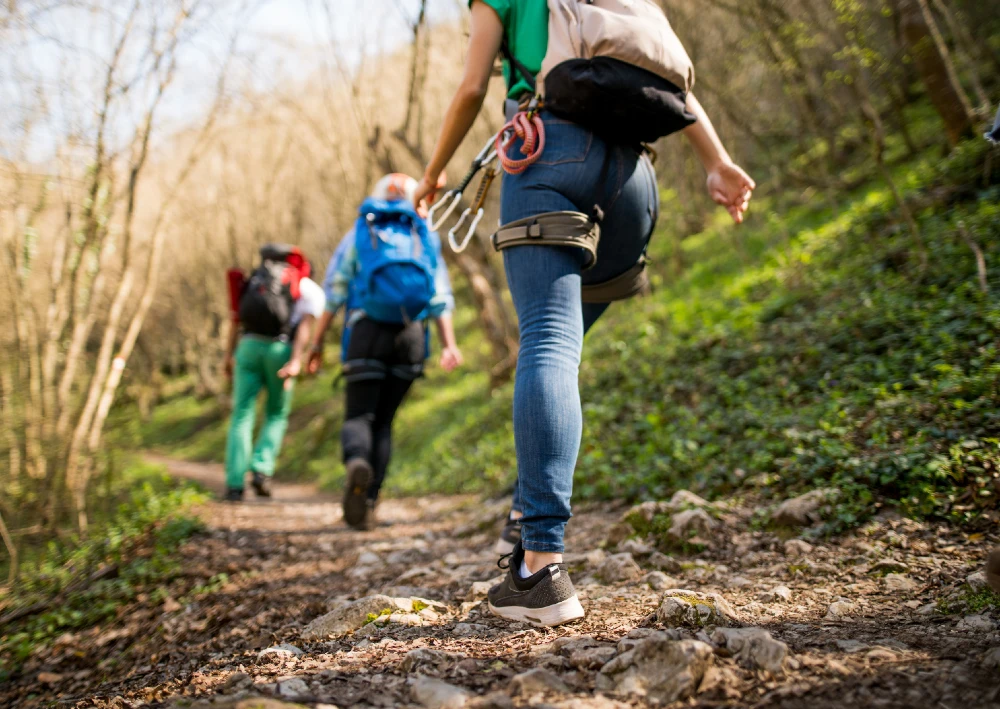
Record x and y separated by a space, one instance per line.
275 311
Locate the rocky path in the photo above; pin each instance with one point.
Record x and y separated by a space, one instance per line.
280 604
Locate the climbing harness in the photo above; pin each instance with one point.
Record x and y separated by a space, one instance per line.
526 125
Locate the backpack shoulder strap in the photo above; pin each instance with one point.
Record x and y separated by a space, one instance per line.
516 66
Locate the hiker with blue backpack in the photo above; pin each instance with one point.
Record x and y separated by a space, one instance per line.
389 276
590 83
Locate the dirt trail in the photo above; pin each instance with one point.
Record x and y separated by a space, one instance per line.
880 618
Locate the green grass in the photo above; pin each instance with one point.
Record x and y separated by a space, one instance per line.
807 348
135 545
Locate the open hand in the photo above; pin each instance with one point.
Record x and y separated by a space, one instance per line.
315 360
731 187
451 359
426 193
290 370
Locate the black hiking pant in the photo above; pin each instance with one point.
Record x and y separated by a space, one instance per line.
383 360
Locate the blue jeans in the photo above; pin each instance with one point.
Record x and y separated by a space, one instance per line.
545 283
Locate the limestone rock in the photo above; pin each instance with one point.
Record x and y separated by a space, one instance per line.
977 581
659 581
683 607
292 688
660 670
591 658
690 523
435 694
803 510
470 630
753 648
779 594
619 568
635 547
977 623
664 563
685 499
797 547
236 682
479 589
537 681
279 651
341 621
840 608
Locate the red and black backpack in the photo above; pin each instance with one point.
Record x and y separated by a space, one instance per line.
265 307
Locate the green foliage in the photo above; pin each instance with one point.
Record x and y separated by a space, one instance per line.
969 600
84 582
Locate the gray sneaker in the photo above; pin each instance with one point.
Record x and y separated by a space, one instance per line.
546 598
359 475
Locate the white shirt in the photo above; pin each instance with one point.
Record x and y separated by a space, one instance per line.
312 301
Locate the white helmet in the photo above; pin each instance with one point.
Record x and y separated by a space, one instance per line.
395 187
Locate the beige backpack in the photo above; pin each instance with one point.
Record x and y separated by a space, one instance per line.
617 67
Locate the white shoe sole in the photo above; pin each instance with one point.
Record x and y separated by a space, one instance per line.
503 547
562 612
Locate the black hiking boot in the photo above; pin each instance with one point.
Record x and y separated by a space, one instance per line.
234 494
359 476
993 569
509 536
261 484
545 599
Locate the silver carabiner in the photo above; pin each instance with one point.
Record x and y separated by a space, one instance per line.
455 196
459 248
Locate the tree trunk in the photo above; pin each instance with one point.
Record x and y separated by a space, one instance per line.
930 55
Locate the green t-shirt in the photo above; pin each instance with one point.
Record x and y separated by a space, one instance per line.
526 24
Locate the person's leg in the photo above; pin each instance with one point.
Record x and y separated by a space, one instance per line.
247 383
545 285
390 398
279 405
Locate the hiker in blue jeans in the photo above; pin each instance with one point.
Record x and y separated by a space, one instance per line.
548 283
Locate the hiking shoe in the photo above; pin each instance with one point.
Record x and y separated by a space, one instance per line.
509 537
359 476
369 523
993 569
261 484
546 598
234 494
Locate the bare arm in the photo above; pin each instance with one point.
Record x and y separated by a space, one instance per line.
486 35
234 336
316 351
451 356
302 337
727 183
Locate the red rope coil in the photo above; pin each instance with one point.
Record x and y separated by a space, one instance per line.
530 129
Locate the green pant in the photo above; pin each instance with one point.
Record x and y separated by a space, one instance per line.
257 363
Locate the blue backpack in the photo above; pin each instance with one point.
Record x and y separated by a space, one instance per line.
397 261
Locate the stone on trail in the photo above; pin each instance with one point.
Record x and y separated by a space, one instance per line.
591 658
753 648
663 562
690 523
976 623
803 510
661 670
637 635
779 594
537 681
692 608
797 547
293 688
991 660
411 619
977 581
635 547
480 589
840 608
659 581
279 651
900 583
236 682
493 700
888 566
341 621
470 630
619 568
436 694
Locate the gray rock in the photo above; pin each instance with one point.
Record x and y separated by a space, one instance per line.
753 648
841 608
425 656
991 660
635 547
685 499
435 694
888 566
236 681
411 619
279 651
803 510
469 630
493 700
661 670
367 558
478 591
619 568
664 563
537 681
852 646
977 581
341 621
797 547
293 688
591 658
691 523
977 623
691 608
738 582
659 581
